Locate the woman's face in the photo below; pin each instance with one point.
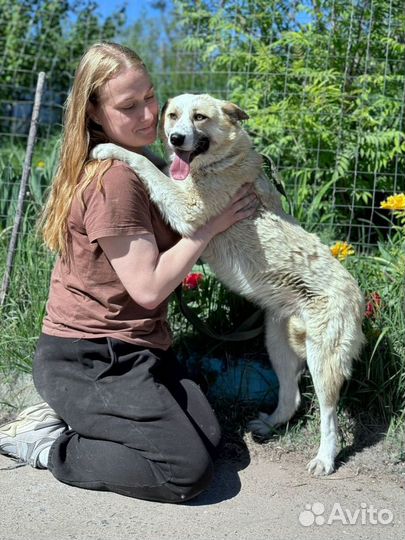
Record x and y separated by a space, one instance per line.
127 109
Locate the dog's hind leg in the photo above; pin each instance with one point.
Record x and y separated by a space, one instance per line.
288 367
328 380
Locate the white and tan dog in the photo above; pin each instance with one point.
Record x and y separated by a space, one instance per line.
312 304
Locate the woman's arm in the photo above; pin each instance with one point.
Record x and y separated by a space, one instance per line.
149 276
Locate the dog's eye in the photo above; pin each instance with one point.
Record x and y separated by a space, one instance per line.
199 117
172 116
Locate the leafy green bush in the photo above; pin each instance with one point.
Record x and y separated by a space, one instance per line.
325 95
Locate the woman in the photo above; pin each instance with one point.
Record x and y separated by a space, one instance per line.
120 413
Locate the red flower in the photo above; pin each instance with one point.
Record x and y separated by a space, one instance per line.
192 280
373 305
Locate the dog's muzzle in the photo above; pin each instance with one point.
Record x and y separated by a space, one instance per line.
177 141
180 167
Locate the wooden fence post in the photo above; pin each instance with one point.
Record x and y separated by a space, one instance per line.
23 187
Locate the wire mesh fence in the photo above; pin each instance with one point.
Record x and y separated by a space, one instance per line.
322 82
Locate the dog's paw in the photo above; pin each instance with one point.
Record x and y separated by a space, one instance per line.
320 466
261 426
107 151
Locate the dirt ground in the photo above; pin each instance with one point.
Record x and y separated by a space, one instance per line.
259 491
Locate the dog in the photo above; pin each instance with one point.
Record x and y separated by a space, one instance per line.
313 306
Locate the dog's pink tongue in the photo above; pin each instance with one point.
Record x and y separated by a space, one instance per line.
180 167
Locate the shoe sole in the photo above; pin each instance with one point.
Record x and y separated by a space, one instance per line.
31 419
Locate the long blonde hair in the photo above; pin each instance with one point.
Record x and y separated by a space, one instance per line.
100 63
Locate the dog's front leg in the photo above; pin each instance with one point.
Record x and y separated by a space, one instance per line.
162 190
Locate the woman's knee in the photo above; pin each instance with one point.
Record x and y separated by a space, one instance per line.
194 483
173 491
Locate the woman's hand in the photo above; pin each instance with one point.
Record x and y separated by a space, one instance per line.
242 205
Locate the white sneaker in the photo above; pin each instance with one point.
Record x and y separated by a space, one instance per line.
35 429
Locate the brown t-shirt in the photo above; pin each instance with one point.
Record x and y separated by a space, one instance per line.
87 299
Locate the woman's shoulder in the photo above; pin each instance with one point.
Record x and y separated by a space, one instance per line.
118 184
117 174
121 168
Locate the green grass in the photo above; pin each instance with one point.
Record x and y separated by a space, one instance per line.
25 304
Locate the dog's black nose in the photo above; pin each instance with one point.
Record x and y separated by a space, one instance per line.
177 139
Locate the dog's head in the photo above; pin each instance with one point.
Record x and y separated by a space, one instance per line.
199 129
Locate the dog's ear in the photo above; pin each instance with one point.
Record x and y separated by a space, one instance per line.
162 120
235 113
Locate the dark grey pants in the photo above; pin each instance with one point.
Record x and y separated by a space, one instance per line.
139 425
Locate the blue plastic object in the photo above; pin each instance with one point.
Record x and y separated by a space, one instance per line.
241 379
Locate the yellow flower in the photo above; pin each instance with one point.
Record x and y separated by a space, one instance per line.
394 202
342 250
40 164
